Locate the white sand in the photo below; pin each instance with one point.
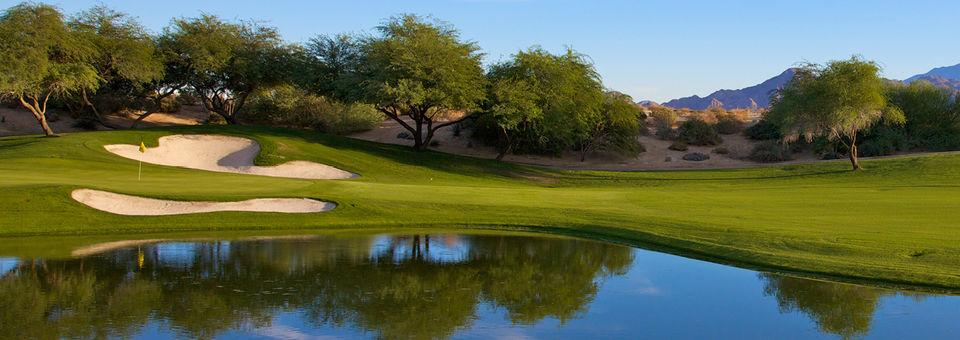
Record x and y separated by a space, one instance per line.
223 154
140 206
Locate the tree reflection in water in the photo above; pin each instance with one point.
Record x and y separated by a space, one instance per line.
842 309
418 286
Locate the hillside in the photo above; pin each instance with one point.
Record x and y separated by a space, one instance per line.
736 99
947 76
946 72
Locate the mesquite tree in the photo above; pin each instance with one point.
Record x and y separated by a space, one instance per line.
419 70
837 100
228 61
125 57
42 58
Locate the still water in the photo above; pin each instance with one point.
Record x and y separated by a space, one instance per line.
438 286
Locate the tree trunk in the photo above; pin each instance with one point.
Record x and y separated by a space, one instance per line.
231 119
140 119
96 113
507 148
418 136
854 157
39 112
47 131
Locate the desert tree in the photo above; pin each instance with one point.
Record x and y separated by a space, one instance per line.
330 64
226 61
931 112
837 100
510 103
42 58
421 70
546 103
125 55
617 128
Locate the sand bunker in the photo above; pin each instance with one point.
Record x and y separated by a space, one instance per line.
223 154
140 206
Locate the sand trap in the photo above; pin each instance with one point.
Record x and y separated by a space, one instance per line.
223 154
140 206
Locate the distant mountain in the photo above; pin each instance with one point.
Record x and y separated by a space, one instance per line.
736 99
946 72
647 103
948 76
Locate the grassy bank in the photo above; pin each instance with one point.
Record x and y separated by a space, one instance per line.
896 222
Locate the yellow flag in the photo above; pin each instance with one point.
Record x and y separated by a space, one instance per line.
143 148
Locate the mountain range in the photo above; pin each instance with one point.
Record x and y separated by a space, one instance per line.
948 76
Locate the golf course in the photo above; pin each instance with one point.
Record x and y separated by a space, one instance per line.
893 223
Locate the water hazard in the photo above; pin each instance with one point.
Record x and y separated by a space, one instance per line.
437 286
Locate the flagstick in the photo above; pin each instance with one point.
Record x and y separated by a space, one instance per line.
139 166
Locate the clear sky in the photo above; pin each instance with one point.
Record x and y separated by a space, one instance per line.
655 50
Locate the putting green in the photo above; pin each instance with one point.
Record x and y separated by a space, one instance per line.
897 222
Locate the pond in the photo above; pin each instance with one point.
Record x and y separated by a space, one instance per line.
457 285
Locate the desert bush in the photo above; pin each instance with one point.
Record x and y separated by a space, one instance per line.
770 151
882 140
831 155
215 119
290 107
678 146
763 130
728 124
169 104
932 116
698 132
663 120
341 119
696 157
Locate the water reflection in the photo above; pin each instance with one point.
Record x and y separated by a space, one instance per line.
409 286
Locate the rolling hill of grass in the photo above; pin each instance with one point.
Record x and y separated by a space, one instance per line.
897 222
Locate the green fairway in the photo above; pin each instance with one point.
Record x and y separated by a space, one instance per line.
897 222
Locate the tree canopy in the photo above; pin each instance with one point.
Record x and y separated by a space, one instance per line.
42 58
419 70
228 61
539 102
836 100
125 54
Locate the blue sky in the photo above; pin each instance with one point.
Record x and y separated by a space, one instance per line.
655 50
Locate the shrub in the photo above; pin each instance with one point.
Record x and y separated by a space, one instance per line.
663 121
882 140
698 132
763 130
678 146
342 119
169 104
215 119
728 124
696 157
932 115
769 152
721 150
290 107
831 155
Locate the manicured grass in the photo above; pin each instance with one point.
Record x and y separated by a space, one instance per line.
897 222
